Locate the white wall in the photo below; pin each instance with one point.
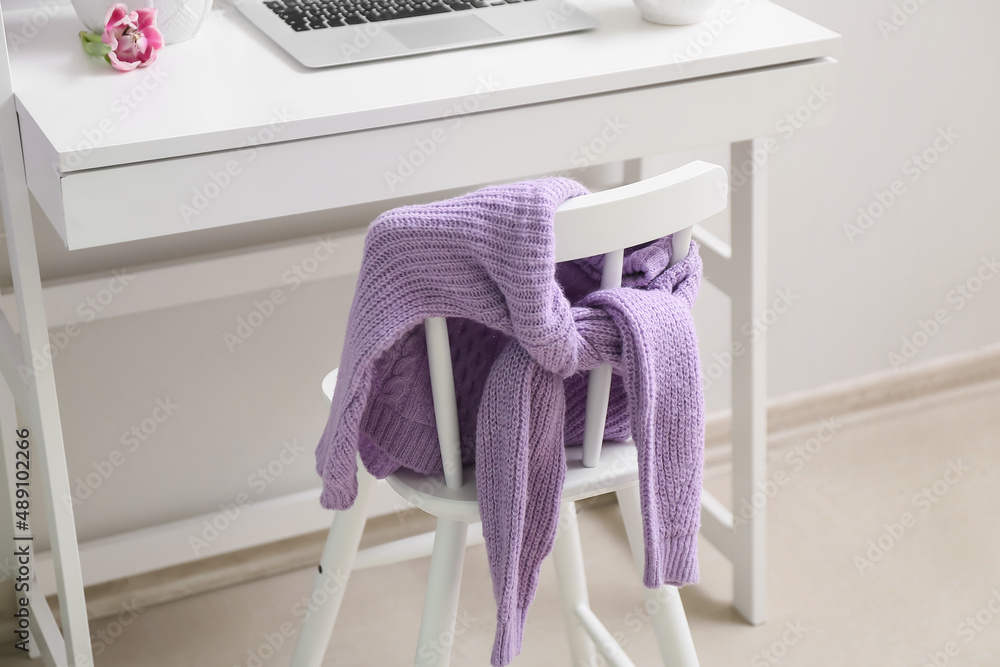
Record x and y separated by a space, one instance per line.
855 302
858 300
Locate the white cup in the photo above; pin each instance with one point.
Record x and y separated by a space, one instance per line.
675 12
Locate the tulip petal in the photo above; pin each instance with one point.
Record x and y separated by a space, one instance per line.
153 37
115 14
146 16
119 64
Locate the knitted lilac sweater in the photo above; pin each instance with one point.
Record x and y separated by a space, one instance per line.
523 333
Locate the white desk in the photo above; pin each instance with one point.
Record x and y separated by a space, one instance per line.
179 142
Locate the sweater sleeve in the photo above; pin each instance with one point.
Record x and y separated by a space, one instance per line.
662 378
336 454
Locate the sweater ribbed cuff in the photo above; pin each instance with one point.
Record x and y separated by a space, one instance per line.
675 563
402 441
507 645
338 496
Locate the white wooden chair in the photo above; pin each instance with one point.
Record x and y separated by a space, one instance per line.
671 203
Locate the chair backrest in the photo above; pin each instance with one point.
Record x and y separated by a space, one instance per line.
671 203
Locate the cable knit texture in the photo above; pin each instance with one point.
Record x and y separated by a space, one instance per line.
523 332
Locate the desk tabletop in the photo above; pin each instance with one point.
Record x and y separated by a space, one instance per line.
231 86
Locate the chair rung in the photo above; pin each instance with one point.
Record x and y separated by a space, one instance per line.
717 256
605 643
718 525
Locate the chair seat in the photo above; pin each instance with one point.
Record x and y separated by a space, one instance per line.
617 469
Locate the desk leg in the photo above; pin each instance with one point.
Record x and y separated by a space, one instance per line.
749 399
51 476
34 383
8 449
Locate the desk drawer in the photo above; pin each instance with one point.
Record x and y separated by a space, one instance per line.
145 200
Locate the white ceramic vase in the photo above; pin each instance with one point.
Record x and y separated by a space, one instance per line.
176 20
674 12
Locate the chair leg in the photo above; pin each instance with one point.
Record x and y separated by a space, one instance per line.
568 555
334 569
437 626
663 604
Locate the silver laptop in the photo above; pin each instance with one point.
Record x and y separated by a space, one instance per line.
321 33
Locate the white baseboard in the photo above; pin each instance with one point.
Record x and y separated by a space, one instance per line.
869 393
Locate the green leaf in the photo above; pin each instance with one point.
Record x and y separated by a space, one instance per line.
93 45
96 48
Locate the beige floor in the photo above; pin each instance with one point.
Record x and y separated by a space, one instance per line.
905 609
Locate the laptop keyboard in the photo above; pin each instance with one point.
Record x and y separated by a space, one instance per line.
304 15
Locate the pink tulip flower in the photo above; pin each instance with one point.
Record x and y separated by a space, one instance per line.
132 37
